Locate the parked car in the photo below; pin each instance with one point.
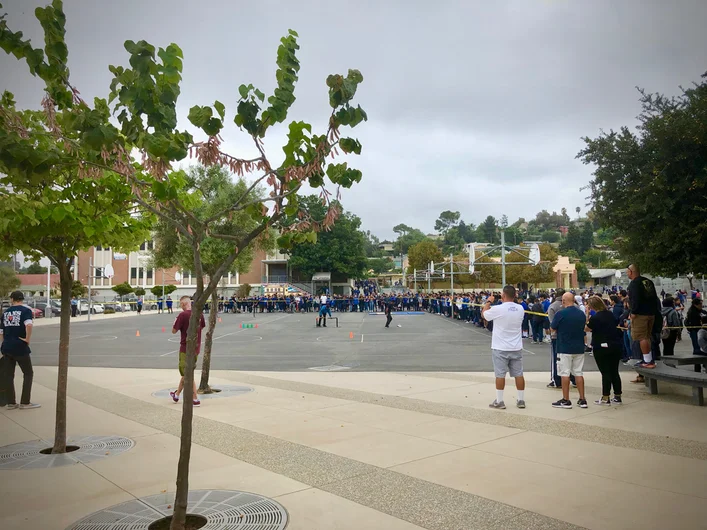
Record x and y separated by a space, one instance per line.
36 313
96 308
55 307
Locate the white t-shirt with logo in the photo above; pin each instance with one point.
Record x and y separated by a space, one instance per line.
507 321
323 299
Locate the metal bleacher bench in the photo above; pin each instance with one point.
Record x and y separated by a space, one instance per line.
671 374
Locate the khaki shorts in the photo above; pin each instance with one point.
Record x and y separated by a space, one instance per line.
183 362
570 364
642 327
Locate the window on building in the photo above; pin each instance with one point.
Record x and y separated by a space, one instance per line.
149 274
150 245
98 247
99 272
133 273
144 244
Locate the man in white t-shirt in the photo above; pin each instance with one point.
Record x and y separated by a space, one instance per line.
506 344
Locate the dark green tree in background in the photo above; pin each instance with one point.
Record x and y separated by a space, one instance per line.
340 250
446 220
650 186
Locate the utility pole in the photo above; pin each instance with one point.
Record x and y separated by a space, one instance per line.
50 313
415 279
503 258
90 275
451 266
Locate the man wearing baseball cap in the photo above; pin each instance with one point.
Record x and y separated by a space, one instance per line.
16 332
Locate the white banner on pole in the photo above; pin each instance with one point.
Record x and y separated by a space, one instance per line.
472 257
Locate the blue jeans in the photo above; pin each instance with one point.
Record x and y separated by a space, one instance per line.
537 331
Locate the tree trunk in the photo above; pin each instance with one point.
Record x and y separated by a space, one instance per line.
66 282
204 387
182 493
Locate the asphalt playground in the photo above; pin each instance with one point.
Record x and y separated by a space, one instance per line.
290 342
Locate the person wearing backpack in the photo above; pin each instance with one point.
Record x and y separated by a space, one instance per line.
671 319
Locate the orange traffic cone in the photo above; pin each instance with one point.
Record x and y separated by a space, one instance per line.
256 325
137 333
162 329
351 335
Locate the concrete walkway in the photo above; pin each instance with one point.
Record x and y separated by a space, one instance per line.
365 451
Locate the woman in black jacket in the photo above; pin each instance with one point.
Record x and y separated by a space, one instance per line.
607 344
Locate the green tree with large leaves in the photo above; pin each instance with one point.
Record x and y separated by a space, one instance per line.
340 250
650 185
213 189
143 97
57 214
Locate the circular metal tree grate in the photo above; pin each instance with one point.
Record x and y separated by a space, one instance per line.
226 391
27 455
223 509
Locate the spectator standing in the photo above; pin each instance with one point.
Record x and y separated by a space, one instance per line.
536 321
506 344
74 306
569 323
643 307
671 319
16 333
139 305
555 306
607 344
169 304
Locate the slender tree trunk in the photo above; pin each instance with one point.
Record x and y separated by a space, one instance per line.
66 282
204 387
182 493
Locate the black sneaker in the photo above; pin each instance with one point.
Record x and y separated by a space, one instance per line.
562 404
616 400
582 403
552 384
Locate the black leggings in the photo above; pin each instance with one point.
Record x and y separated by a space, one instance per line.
607 360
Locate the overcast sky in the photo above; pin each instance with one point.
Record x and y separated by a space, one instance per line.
475 106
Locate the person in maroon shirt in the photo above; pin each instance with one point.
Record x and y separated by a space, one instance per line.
181 324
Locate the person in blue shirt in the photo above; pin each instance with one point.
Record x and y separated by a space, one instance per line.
159 305
169 304
16 333
74 306
569 323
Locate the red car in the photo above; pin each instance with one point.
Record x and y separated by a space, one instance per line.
36 313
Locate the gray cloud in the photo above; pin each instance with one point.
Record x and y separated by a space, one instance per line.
473 106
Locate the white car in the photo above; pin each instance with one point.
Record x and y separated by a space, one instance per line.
95 308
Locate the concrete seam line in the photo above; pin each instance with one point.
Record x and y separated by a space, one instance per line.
341 476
